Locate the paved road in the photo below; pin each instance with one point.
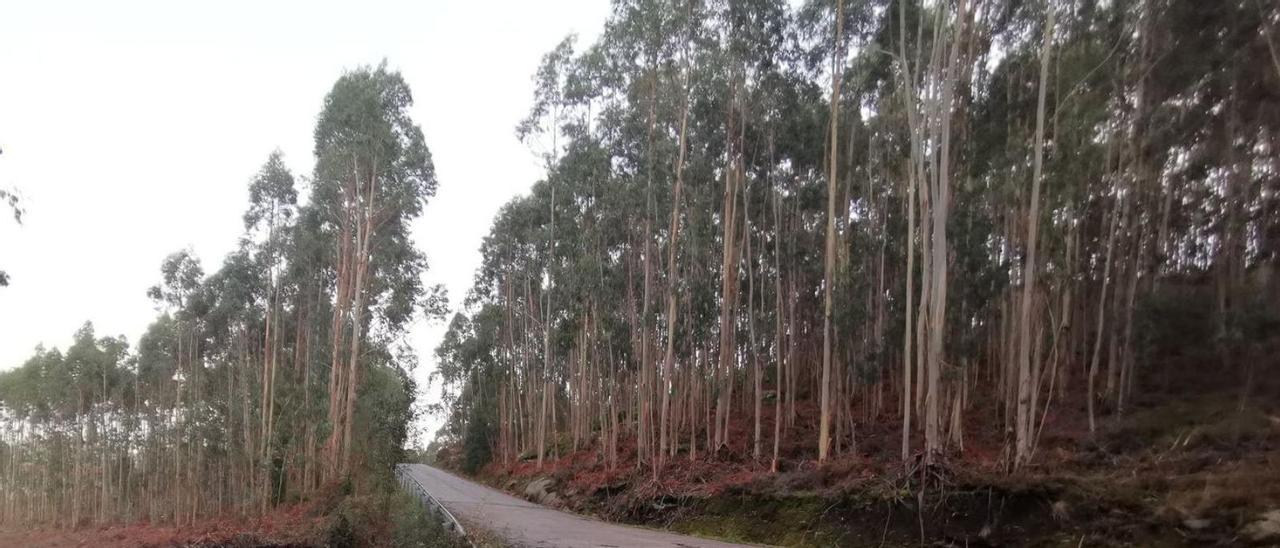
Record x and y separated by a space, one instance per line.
524 523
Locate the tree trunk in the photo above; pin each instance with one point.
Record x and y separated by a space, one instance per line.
837 67
1026 412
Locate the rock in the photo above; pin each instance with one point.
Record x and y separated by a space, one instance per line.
1266 529
552 500
539 491
1196 524
1060 510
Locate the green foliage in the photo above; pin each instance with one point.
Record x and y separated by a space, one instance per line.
385 413
1159 146
477 441
221 404
10 198
271 193
412 526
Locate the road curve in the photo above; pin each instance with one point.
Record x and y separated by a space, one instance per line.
523 523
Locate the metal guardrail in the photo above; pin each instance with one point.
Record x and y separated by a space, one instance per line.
411 485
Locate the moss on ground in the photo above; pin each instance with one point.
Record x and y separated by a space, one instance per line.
782 521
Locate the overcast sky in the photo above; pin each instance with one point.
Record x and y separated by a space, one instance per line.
131 130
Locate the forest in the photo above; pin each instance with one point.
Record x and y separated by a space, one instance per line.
927 236
271 379
795 273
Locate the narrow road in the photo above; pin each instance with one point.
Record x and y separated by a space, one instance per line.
523 523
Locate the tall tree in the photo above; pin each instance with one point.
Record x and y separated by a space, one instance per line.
373 177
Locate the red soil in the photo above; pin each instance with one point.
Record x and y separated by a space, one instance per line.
294 525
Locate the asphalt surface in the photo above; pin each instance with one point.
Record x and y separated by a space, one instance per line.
523 523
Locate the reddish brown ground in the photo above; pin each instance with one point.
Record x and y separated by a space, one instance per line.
295 525
1181 467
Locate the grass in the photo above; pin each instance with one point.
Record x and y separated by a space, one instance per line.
413 526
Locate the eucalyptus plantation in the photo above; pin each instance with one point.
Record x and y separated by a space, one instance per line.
817 241
936 215
280 373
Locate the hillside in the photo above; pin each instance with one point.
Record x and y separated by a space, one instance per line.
951 272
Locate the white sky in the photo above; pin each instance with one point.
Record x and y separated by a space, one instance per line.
132 128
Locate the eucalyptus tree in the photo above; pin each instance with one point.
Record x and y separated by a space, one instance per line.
1024 426
272 199
231 327
547 116
10 198
217 408
372 178
67 438
837 67
181 274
